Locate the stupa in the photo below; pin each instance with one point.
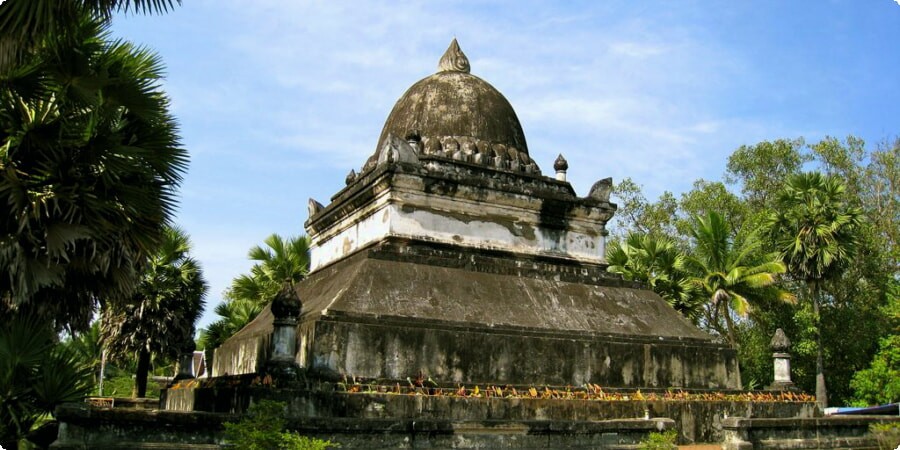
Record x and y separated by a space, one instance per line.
449 254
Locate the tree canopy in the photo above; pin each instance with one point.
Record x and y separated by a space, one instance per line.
860 259
90 161
160 319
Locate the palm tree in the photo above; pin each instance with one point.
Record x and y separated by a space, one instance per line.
725 274
88 348
279 261
234 314
89 163
814 229
36 375
25 23
657 262
161 318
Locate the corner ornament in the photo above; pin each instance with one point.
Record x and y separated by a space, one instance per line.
454 60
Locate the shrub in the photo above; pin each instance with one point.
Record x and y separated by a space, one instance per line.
887 434
262 428
880 383
660 441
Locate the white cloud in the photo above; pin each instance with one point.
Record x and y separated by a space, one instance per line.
636 49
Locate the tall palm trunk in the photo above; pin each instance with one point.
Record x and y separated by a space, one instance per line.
729 327
143 368
821 391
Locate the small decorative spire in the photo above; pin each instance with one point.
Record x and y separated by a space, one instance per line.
286 305
454 60
560 164
780 342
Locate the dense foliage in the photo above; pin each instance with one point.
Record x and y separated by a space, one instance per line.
262 428
826 211
36 375
24 24
89 163
660 441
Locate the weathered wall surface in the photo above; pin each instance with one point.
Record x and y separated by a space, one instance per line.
419 281
463 205
247 349
84 428
398 309
384 348
696 421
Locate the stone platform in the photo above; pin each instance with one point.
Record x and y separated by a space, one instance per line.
696 421
400 308
107 428
378 420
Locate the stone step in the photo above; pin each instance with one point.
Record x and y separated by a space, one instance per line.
126 445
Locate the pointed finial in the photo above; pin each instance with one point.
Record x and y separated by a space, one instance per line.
560 164
780 342
454 60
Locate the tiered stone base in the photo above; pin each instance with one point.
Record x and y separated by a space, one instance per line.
107 428
696 421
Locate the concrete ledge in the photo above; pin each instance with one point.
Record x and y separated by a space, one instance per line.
697 421
107 428
832 432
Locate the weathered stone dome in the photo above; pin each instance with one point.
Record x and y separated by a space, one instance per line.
455 108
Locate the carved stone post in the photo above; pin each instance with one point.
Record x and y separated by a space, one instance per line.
782 362
184 368
286 310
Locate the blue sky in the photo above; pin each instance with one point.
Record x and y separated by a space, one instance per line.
278 100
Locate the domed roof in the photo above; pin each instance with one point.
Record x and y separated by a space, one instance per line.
455 105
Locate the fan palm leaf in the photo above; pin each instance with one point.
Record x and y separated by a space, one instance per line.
657 262
89 163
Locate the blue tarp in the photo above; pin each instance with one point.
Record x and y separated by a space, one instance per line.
891 409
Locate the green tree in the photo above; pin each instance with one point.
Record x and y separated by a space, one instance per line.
281 259
657 262
852 323
161 318
881 194
25 24
638 215
36 375
726 276
89 164
87 346
814 229
712 196
880 382
762 168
